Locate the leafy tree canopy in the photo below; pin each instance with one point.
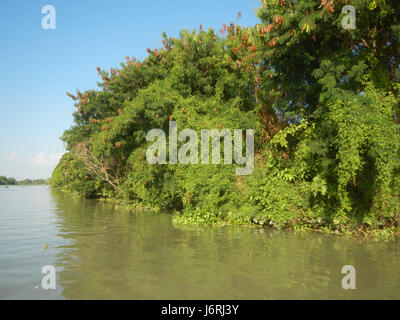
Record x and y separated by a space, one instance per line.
323 101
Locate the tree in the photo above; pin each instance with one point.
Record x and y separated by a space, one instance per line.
323 101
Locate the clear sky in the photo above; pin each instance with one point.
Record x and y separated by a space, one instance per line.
39 66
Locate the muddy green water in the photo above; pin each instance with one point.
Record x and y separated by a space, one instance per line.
100 252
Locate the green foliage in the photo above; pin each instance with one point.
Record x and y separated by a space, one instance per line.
323 102
11 181
7 181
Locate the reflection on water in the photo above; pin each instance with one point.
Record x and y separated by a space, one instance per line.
101 252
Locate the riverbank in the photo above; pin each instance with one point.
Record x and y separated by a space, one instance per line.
4 181
321 155
199 218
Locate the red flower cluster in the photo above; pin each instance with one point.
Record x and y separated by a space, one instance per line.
278 20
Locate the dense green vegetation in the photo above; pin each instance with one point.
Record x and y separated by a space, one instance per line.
7 181
323 101
12 182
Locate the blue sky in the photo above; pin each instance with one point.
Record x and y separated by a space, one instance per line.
39 66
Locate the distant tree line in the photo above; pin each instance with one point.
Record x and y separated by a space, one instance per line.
13 182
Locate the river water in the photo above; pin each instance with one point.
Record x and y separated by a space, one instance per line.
101 252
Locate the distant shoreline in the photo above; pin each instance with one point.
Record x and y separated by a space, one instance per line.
4 181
